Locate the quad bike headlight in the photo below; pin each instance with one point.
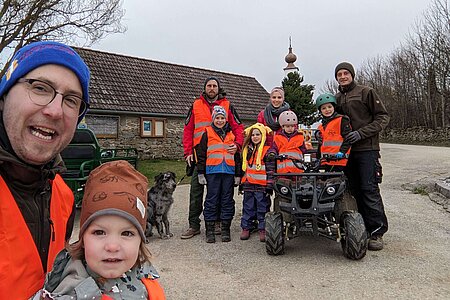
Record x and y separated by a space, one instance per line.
331 190
284 190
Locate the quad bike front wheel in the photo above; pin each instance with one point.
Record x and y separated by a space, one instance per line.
354 240
274 233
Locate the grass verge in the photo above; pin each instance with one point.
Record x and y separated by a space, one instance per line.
153 167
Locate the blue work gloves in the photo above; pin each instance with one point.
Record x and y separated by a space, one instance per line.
202 179
353 137
339 155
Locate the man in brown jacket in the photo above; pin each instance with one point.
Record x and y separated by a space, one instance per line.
368 117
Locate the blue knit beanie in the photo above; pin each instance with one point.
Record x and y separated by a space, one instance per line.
38 54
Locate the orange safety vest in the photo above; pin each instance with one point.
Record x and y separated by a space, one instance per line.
21 272
217 149
291 148
202 117
253 175
332 141
154 290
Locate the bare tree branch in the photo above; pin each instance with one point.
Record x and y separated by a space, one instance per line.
69 21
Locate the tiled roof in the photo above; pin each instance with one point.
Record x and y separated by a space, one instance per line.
131 84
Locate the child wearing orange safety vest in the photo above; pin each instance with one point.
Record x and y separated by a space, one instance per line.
255 182
218 166
110 259
289 142
331 134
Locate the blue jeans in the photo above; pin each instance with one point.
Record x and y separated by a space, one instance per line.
363 171
219 197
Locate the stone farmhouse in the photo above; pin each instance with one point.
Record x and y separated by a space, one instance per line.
143 103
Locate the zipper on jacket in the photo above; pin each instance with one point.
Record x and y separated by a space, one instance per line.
52 227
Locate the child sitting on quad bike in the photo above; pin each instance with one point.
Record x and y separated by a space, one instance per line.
289 142
311 189
331 133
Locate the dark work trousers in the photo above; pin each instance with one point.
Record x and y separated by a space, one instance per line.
195 201
219 194
363 171
254 206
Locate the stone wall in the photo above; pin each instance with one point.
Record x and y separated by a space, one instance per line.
417 135
169 147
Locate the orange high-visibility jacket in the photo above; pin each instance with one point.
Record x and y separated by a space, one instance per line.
291 148
216 152
21 272
252 173
154 290
332 141
202 117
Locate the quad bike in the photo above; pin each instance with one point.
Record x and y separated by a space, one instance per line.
314 203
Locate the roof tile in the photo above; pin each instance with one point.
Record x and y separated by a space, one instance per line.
132 84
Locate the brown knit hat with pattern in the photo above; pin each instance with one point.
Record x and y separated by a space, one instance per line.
115 188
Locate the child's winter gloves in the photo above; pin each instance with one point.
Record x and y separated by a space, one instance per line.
202 179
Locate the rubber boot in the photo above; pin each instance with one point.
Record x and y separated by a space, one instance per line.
226 224
210 236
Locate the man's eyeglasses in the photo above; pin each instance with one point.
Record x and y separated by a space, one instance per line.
42 94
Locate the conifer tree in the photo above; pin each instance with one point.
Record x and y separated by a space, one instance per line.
300 98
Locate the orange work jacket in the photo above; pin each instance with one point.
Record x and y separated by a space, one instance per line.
202 117
291 148
21 272
216 152
252 173
154 290
332 141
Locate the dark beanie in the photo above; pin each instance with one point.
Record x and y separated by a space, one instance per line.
211 78
347 66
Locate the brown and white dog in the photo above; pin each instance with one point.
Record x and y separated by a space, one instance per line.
160 199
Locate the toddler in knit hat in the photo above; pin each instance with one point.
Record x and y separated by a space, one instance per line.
110 257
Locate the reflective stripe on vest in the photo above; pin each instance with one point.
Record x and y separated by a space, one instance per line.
154 290
290 148
217 149
332 141
21 273
252 175
202 117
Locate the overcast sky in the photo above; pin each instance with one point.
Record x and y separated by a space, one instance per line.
251 37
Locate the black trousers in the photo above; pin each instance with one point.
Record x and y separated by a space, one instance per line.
364 174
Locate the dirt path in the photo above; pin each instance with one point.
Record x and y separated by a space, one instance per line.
415 263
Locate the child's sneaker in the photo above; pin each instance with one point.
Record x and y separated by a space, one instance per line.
245 234
262 235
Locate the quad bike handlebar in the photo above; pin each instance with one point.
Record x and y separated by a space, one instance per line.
308 163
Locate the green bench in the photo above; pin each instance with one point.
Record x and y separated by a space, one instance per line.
84 154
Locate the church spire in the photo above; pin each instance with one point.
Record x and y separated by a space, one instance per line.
290 59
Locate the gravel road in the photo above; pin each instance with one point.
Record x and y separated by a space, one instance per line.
415 263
